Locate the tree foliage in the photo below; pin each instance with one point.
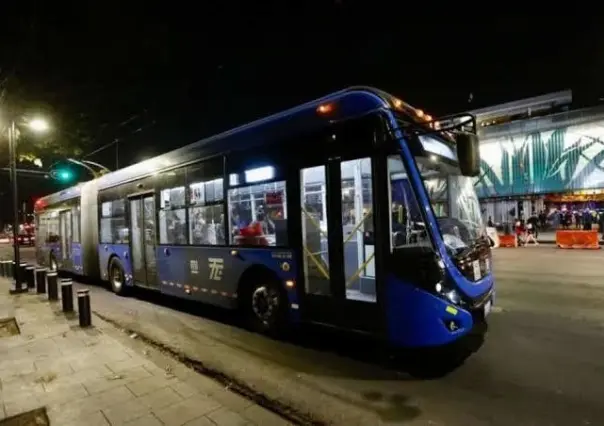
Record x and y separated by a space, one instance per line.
41 150
69 135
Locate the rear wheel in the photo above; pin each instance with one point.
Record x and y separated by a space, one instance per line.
265 305
117 277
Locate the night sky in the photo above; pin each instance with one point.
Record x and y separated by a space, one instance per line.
159 78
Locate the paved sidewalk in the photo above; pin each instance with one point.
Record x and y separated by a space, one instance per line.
101 376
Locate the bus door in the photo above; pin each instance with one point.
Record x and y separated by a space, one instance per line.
66 236
143 241
338 282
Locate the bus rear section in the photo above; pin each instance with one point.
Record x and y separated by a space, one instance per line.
58 240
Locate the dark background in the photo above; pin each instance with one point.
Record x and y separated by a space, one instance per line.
155 78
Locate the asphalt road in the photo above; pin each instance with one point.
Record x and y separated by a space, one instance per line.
542 363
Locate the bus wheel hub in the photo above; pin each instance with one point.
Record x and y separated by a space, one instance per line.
117 279
264 301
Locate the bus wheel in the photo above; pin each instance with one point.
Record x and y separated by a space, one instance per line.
52 262
117 277
266 307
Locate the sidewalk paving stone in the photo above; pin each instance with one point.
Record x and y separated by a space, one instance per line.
100 376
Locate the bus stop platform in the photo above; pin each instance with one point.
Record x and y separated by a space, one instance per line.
55 372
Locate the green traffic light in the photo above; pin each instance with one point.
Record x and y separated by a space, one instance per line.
64 175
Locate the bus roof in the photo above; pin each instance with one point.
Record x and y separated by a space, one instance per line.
351 102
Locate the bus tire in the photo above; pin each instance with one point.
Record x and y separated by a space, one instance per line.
52 263
265 305
117 277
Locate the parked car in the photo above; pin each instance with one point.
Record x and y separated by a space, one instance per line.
27 240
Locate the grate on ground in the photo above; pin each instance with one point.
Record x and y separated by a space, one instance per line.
37 417
8 327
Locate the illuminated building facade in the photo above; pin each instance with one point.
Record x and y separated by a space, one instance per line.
539 154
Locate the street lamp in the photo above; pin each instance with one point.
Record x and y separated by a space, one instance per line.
37 125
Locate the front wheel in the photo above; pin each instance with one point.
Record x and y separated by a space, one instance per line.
117 277
266 307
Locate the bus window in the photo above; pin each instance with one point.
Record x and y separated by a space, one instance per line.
258 215
113 223
75 221
357 227
172 216
406 221
206 213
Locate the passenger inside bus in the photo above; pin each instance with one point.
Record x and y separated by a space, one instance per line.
258 232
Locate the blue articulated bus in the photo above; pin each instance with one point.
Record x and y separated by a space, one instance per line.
355 210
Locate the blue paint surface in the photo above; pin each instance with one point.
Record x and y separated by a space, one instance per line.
416 318
77 262
213 274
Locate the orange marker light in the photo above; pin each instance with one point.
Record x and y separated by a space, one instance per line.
325 108
397 103
419 113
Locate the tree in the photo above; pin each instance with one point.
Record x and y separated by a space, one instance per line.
70 135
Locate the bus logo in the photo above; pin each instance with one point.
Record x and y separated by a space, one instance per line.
194 267
216 266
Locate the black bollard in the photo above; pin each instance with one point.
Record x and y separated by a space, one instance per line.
14 270
67 295
84 308
6 265
53 291
22 278
41 280
30 277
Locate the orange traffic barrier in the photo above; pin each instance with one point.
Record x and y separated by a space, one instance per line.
508 241
577 239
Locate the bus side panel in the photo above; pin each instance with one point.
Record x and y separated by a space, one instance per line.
89 230
417 318
76 258
43 253
122 252
212 274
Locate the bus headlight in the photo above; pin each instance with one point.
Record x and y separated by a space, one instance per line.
441 264
453 297
450 295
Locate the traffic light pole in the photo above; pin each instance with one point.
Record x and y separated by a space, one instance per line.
12 148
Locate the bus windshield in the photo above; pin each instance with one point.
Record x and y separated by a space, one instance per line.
454 202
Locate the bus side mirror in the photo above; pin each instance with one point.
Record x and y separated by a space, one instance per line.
468 153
